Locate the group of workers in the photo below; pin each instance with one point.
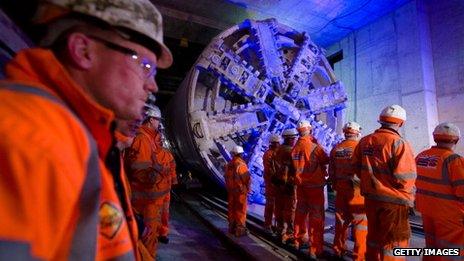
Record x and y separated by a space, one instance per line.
79 179
377 182
74 186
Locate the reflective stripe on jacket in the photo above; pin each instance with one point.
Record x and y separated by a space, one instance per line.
167 168
440 183
55 205
237 177
285 172
152 168
269 164
143 173
341 171
385 163
309 161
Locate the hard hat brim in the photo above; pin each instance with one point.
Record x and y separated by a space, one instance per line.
445 138
386 119
303 129
165 60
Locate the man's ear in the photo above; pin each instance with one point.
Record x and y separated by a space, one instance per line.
80 50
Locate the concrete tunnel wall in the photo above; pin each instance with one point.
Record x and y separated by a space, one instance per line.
414 57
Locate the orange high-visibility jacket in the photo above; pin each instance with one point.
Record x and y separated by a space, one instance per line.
285 172
150 167
58 199
237 177
341 171
440 183
386 167
309 161
164 160
130 216
269 164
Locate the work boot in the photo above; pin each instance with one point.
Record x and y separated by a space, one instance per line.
287 237
324 255
304 245
268 230
241 231
163 239
232 228
338 255
274 229
293 243
312 256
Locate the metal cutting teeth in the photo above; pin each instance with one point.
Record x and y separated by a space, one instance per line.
252 80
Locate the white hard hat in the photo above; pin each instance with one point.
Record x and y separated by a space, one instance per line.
152 111
352 127
151 98
303 125
393 114
139 18
275 138
237 150
446 132
290 132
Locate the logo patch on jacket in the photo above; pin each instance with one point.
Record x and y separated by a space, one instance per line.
111 218
344 153
427 161
372 151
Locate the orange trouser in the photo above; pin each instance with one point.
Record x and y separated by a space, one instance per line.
443 233
142 252
285 203
270 205
163 229
310 208
388 225
151 212
237 209
349 210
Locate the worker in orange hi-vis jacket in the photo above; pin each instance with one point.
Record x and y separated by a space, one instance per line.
238 183
165 158
349 204
440 191
385 164
284 181
60 187
146 176
309 161
125 133
269 172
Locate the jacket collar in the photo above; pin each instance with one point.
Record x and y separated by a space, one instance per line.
442 148
147 131
388 130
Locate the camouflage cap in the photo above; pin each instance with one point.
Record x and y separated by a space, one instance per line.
139 16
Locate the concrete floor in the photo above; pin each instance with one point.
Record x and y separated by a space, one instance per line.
189 239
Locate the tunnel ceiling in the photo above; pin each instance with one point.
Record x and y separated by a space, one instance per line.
326 21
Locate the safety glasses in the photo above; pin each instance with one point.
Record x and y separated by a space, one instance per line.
148 66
